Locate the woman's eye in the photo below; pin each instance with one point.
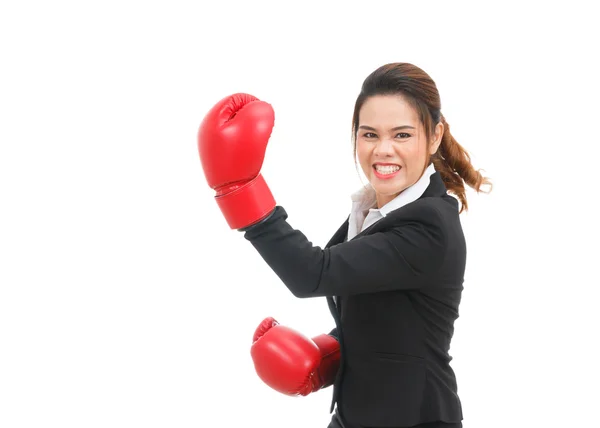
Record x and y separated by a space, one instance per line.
402 135
369 135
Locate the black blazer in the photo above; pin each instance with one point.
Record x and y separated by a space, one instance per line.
394 292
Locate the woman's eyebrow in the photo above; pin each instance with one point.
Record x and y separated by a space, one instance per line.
397 128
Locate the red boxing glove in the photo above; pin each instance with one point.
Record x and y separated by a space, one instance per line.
290 362
232 140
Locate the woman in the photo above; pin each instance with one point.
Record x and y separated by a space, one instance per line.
393 272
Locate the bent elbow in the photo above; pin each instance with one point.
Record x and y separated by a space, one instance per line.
301 294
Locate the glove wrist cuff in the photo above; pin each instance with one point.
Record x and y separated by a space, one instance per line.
247 204
330 359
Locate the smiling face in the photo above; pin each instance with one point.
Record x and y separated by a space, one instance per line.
391 145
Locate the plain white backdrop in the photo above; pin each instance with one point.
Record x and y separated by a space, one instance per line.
125 300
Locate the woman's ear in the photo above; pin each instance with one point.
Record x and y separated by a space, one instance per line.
437 138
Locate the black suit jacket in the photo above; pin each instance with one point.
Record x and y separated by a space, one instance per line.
394 292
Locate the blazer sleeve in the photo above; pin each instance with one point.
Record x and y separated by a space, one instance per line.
397 258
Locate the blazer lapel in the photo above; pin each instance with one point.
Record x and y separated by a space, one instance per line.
341 234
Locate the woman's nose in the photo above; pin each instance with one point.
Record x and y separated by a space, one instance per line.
383 148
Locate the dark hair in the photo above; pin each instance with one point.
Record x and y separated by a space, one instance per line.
420 91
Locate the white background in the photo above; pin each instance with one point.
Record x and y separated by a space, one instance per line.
125 300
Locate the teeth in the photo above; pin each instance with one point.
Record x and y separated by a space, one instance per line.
387 169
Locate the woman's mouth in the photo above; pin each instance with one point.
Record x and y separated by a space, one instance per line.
386 171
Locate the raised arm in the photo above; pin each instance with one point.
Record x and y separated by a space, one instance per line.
398 258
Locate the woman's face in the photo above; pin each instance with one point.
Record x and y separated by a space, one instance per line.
391 145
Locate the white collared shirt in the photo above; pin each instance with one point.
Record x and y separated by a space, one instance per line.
364 213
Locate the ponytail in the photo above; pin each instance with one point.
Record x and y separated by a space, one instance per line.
454 165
